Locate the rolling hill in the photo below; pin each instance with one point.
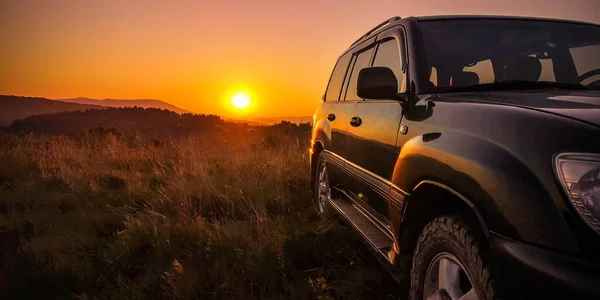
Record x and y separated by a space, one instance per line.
146 122
145 103
17 107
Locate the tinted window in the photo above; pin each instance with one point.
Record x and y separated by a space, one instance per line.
388 55
363 60
483 51
337 77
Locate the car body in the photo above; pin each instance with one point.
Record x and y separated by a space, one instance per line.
487 151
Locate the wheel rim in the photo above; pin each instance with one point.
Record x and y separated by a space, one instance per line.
323 189
447 277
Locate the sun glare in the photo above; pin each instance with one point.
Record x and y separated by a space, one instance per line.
240 101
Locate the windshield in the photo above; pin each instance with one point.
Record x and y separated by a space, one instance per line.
495 53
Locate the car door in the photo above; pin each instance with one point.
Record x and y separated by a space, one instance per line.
333 111
338 110
372 138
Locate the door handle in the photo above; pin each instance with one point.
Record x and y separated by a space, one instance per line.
355 121
330 117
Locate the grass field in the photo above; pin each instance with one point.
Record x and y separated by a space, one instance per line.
228 215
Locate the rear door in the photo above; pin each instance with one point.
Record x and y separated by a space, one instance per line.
372 143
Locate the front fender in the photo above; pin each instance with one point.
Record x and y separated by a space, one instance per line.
504 191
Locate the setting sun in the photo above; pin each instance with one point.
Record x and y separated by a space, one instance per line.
240 101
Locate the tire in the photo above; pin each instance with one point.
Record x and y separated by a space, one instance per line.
322 207
448 250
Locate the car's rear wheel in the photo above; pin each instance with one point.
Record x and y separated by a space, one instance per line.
449 263
322 190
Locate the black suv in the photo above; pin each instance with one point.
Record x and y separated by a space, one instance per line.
466 152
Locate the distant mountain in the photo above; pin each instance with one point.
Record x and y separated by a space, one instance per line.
17 107
145 103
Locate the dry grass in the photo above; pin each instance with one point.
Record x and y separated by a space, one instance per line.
226 216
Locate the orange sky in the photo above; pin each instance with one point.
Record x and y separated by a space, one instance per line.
196 54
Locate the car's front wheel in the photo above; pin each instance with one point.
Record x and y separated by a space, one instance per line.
449 263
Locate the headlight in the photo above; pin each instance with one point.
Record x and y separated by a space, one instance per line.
579 175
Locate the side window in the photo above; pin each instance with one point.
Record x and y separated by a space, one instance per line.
388 55
336 79
363 60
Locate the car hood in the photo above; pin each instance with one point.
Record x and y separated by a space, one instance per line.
580 105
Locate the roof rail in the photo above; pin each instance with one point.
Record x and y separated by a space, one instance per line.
380 26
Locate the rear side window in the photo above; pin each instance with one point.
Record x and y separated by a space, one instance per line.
388 55
363 60
337 77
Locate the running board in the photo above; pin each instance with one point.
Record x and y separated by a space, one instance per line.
375 236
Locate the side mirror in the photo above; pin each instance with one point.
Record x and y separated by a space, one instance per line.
377 83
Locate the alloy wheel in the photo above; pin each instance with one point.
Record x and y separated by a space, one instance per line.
447 278
324 191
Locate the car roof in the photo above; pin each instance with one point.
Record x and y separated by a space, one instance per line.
498 17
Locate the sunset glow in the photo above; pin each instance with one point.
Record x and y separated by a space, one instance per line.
194 54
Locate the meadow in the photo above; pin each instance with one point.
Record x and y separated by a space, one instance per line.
226 214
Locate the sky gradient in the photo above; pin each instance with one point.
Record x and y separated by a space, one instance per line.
198 54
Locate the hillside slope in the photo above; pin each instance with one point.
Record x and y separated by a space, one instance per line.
17 107
147 122
145 103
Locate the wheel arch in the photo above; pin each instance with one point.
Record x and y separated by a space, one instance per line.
430 199
506 189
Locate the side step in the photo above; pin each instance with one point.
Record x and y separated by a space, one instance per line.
378 238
